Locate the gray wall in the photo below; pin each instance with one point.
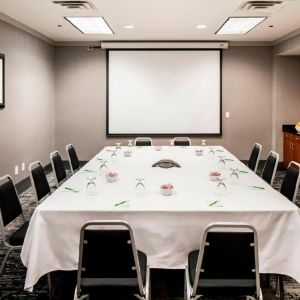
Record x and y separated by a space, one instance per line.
81 103
56 96
80 100
27 122
286 96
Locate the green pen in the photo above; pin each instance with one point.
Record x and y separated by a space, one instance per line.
71 189
258 187
243 171
87 170
229 159
213 203
120 203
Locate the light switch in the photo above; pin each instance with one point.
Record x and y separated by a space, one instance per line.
227 114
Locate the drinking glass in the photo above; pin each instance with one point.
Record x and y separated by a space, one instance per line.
203 142
103 167
91 186
211 152
114 155
118 147
171 142
221 187
222 162
130 143
140 187
234 176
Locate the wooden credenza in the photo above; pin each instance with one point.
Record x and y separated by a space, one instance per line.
291 147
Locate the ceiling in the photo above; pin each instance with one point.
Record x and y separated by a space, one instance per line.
157 20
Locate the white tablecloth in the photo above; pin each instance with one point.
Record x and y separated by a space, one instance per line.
166 228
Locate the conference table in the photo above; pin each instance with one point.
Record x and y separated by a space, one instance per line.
166 228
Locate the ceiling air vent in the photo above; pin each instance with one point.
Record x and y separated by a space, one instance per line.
80 4
266 7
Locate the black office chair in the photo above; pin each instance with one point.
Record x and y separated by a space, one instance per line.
58 168
254 157
39 181
10 209
143 141
290 184
109 263
227 263
73 158
270 168
289 189
182 141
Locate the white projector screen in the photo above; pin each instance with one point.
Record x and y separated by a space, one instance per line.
163 92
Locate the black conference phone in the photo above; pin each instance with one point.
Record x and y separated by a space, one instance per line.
166 164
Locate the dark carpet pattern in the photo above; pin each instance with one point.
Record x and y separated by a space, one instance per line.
165 285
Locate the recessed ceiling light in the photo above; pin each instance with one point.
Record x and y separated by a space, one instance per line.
239 25
128 26
201 26
90 25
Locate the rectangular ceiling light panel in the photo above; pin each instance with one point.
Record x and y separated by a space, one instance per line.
90 25
239 25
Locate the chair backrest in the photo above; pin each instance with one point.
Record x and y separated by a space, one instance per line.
39 180
10 207
182 141
270 168
73 158
58 167
290 184
254 157
108 253
143 141
228 251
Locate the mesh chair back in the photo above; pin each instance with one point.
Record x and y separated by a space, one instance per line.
74 161
143 141
107 254
229 255
58 167
39 180
254 157
290 182
182 142
9 201
270 167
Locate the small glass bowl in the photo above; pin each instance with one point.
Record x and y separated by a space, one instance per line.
111 176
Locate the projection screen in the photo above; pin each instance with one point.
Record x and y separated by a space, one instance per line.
163 92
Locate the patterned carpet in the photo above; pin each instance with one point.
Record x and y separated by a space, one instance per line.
164 285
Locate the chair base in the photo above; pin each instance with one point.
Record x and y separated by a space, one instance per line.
9 251
188 290
279 289
146 296
5 259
